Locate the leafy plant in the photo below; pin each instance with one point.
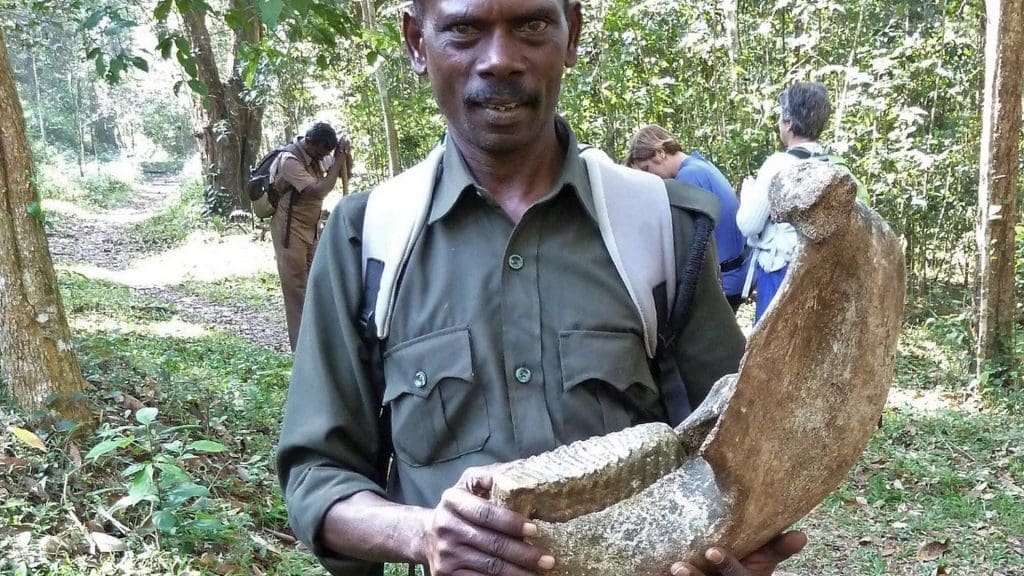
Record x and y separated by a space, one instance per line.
156 458
106 191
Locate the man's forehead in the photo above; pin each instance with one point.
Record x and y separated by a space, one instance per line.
485 6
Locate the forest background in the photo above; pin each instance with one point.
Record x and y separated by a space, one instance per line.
188 93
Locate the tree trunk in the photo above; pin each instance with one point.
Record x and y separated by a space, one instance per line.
394 166
230 136
37 359
40 116
732 29
76 94
997 188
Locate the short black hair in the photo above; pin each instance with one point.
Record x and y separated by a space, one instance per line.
321 133
806 107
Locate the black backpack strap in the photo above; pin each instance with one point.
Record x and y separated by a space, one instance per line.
800 153
673 389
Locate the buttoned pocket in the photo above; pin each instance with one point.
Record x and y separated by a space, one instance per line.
437 411
606 375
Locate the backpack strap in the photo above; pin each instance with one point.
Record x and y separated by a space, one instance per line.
635 220
800 153
674 396
395 215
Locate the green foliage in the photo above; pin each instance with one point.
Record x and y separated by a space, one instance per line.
85 296
253 292
939 476
181 460
171 226
105 190
155 459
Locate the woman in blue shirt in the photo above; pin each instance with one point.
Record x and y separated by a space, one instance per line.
653 149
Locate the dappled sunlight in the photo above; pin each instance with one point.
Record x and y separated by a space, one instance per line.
174 328
930 401
205 257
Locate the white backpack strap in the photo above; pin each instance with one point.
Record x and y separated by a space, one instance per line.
635 219
395 214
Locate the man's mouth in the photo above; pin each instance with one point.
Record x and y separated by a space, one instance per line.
508 107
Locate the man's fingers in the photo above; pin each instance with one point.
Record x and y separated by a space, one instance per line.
788 544
725 564
480 512
683 569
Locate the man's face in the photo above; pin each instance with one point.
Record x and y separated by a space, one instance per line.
495 66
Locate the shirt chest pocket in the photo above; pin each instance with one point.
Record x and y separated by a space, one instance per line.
437 411
606 381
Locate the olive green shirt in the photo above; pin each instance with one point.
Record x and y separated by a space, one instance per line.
507 340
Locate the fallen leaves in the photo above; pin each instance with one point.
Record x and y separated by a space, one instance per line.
107 543
931 551
27 438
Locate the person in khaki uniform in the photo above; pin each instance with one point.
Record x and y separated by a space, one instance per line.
512 332
306 171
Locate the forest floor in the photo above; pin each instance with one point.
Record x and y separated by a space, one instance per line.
180 332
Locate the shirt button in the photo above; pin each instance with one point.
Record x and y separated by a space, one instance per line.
523 375
515 262
420 379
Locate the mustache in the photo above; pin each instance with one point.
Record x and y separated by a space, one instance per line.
503 91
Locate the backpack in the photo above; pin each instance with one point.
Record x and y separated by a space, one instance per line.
837 161
635 221
260 189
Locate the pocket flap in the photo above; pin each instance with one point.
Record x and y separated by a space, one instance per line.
416 366
618 358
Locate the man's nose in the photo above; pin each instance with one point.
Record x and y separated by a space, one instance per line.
502 55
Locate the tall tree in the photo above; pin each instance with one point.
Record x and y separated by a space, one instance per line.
997 189
233 124
387 116
37 360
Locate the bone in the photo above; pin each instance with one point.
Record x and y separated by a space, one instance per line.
770 442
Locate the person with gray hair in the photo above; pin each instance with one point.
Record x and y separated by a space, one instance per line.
803 112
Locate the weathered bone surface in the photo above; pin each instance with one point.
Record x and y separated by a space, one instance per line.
771 441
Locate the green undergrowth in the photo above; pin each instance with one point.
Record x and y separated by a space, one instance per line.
102 186
177 477
936 493
255 292
171 226
179 474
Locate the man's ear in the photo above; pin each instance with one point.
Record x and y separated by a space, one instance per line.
412 34
574 15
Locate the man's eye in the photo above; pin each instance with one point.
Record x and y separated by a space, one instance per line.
535 26
462 29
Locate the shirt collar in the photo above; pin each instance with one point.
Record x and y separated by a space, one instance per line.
455 179
306 160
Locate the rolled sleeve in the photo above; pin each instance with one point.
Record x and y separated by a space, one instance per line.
331 444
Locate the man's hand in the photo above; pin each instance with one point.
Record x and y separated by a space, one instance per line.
343 153
760 562
469 536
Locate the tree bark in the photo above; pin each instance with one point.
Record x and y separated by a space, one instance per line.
997 188
387 115
230 136
37 359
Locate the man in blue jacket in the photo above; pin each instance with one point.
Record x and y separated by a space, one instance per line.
653 149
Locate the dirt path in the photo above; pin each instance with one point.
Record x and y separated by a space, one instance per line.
97 244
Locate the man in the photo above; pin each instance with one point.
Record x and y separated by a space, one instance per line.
299 172
512 332
653 149
803 112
